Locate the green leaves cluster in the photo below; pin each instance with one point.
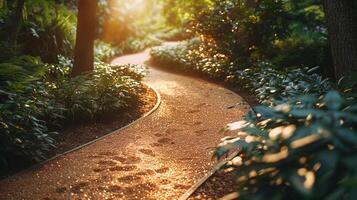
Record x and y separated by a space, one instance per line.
47 29
30 113
304 148
192 55
270 84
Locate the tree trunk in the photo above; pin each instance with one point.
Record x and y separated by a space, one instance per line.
341 18
86 32
17 22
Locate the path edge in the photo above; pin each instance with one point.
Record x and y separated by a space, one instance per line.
208 175
157 105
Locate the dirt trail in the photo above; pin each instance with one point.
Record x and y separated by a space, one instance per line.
158 158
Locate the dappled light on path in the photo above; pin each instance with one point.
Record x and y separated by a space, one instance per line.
158 158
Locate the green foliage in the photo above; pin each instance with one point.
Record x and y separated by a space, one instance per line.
242 30
104 51
304 148
191 55
47 29
107 89
174 55
301 50
30 113
175 34
20 70
288 33
271 85
134 45
181 12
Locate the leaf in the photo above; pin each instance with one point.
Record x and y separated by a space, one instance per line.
347 135
313 69
34 33
350 162
333 100
266 112
303 113
298 183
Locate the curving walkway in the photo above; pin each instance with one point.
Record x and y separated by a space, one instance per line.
158 158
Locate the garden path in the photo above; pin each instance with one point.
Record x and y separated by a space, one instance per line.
158 158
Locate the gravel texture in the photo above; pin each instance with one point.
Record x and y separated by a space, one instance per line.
158 158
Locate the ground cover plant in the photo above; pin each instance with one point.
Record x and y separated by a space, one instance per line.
32 111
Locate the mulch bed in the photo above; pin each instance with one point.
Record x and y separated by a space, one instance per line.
78 134
216 187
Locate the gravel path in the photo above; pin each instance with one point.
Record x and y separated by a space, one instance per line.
158 158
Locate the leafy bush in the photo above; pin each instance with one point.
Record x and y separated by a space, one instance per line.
191 55
173 55
108 88
47 30
175 34
28 116
20 69
270 84
104 51
242 30
296 51
304 148
134 45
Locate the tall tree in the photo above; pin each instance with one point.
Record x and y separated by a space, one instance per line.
86 32
17 21
341 18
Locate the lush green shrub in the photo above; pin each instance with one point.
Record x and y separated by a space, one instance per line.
175 34
299 51
20 69
192 55
304 148
134 45
108 88
264 79
47 30
242 30
173 55
271 84
105 51
30 113
287 33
